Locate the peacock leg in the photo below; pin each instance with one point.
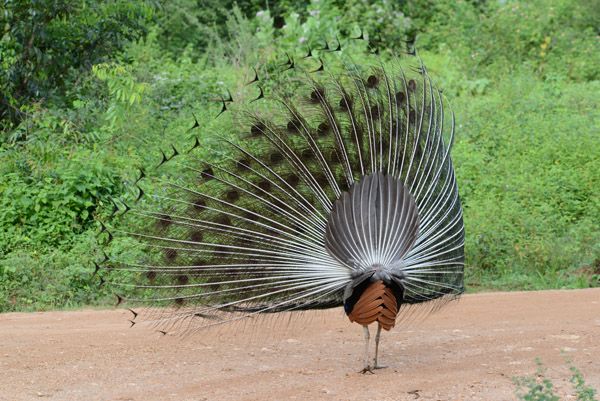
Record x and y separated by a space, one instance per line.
377 336
367 367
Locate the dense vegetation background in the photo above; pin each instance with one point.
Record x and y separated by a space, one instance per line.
90 91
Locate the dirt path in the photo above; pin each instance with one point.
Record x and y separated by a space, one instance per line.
467 351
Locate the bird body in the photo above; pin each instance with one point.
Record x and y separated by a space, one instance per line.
377 303
337 189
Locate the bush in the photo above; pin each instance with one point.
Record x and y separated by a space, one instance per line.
45 41
498 37
525 151
48 277
527 169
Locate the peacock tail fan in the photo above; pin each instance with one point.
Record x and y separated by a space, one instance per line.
250 229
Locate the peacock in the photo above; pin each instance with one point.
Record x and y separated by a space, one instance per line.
333 186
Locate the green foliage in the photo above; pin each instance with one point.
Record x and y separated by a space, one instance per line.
88 108
46 209
527 161
43 41
327 19
553 38
539 388
199 24
51 277
583 390
123 90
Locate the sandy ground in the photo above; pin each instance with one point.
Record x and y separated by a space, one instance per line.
467 351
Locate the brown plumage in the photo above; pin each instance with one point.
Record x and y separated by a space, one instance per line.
376 304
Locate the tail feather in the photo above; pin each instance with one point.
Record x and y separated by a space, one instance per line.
245 231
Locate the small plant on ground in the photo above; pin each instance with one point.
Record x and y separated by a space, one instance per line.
538 388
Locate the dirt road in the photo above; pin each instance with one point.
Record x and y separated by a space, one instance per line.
467 351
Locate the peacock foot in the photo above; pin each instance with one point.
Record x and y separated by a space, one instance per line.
366 369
